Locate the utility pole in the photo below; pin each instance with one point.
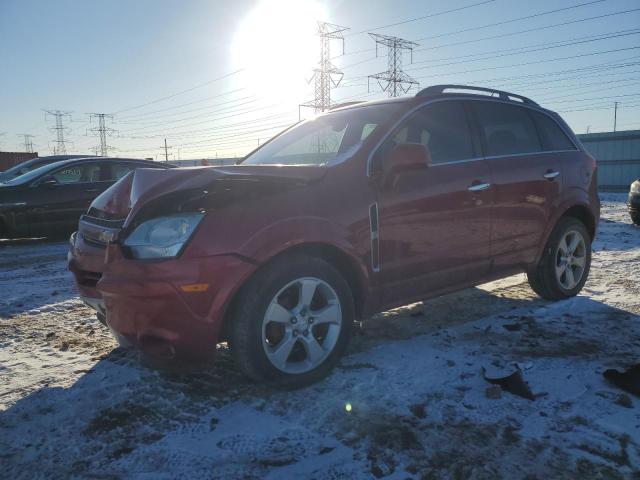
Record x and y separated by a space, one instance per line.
615 115
60 147
28 142
326 74
396 82
166 151
102 131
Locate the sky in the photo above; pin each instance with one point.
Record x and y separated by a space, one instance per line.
218 78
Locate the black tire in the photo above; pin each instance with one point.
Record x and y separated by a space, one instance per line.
245 330
635 217
542 277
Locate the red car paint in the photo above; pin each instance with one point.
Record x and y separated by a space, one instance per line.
421 234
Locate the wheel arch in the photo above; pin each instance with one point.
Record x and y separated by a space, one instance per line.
346 265
583 214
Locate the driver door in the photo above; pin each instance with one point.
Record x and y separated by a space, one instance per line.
62 196
434 223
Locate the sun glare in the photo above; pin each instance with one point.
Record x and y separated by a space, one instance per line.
277 46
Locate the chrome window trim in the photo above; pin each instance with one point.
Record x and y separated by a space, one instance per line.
538 109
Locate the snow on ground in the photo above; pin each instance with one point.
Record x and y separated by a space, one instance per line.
408 401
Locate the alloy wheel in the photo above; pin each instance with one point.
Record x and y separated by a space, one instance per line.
301 325
571 257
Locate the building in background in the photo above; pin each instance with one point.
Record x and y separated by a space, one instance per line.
618 156
9 159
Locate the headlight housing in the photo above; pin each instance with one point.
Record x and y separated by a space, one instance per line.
635 187
162 237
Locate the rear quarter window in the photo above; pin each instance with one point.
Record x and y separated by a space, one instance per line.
552 136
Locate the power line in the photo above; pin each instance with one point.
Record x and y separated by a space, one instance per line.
529 30
102 131
527 63
533 48
60 147
513 20
505 22
167 97
326 74
395 79
424 17
145 114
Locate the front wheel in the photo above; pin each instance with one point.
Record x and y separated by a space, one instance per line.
564 266
292 321
635 217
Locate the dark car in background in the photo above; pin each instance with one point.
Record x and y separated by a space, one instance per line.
634 202
51 198
25 167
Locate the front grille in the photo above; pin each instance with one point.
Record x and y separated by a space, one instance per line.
103 222
102 215
97 232
88 279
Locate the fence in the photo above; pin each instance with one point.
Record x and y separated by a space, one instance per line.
618 156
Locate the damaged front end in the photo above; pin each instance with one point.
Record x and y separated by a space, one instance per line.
135 261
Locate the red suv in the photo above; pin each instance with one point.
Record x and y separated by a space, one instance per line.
362 209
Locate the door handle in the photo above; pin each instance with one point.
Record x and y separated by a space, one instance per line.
91 190
551 174
479 187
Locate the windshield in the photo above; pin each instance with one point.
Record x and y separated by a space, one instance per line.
19 169
326 140
29 176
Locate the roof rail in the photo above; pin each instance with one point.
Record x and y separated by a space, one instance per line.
440 90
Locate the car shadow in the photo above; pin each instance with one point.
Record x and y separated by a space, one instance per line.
118 407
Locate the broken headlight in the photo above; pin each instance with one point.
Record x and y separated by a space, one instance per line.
162 237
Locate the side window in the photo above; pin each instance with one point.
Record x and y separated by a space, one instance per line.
507 129
85 173
367 129
442 127
553 138
117 170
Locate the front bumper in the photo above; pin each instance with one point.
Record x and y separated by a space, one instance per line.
170 308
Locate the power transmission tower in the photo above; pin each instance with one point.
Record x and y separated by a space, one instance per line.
60 147
28 142
396 82
326 74
102 131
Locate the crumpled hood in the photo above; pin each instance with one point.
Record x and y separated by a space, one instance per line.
144 185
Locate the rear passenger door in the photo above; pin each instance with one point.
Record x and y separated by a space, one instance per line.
526 180
434 224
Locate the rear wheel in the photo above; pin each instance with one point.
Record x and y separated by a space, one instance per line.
292 322
564 266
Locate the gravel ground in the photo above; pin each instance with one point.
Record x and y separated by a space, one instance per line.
408 400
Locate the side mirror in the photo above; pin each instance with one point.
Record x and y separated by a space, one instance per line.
406 157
